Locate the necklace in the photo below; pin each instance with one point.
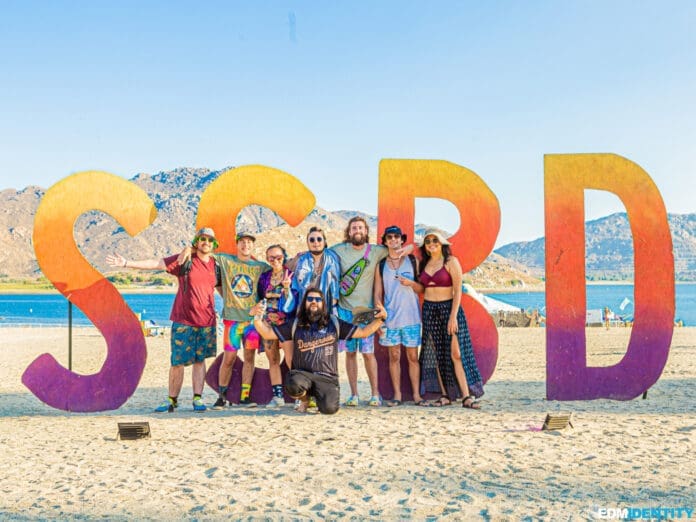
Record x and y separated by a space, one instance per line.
276 278
394 262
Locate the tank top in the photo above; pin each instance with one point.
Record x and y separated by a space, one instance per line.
400 300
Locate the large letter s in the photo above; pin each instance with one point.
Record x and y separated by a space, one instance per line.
63 264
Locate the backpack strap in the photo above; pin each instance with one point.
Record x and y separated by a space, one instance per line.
218 274
382 262
414 264
184 272
411 258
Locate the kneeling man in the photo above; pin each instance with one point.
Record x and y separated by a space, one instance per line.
315 336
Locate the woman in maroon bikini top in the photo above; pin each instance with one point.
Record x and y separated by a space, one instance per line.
447 355
441 278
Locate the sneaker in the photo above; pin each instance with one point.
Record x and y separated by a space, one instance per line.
247 403
276 402
353 400
375 401
198 405
220 403
167 405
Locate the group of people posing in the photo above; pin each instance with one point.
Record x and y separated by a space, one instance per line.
310 307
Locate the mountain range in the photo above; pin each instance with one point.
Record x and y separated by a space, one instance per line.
176 195
609 249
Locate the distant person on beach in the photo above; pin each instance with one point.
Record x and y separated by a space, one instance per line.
358 264
315 334
319 267
396 287
447 359
274 287
240 277
193 333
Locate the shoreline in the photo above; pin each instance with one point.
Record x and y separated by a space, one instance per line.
122 290
172 290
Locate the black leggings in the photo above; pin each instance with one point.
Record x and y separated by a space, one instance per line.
324 389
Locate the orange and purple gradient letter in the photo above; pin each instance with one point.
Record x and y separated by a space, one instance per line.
401 182
63 264
567 375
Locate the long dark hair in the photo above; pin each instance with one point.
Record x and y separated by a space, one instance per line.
425 256
303 315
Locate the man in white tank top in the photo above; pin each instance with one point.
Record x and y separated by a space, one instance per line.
396 287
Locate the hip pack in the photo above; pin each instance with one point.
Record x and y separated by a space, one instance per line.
349 280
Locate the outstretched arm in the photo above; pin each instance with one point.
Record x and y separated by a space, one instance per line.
118 261
369 329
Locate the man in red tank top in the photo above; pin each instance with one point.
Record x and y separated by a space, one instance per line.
193 334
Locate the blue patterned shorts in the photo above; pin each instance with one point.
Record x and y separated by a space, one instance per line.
364 345
408 336
192 344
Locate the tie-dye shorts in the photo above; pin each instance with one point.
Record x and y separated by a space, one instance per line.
241 333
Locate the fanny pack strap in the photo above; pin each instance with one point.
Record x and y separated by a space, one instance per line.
350 279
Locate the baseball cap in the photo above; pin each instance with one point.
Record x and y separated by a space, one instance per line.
393 229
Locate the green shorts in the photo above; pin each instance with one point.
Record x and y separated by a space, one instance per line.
192 344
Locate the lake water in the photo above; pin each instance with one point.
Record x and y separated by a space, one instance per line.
52 309
599 296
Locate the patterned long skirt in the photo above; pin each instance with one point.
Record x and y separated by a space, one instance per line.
437 353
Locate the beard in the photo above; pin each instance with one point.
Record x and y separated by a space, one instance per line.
357 239
315 315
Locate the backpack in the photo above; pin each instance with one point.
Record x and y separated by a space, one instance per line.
411 258
185 270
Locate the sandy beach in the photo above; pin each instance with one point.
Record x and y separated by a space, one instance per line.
375 463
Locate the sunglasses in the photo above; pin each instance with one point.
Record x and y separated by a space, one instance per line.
393 236
433 241
206 239
274 258
314 299
316 239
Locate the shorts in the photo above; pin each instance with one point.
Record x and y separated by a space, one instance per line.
238 333
364 345
322 387
408 336
192 344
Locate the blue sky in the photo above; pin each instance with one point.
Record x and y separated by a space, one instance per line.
326 90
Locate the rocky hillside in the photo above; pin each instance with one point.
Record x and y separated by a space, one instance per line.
176 195
609 248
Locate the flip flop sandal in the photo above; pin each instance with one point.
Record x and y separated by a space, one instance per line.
441 402
471 404
394 403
